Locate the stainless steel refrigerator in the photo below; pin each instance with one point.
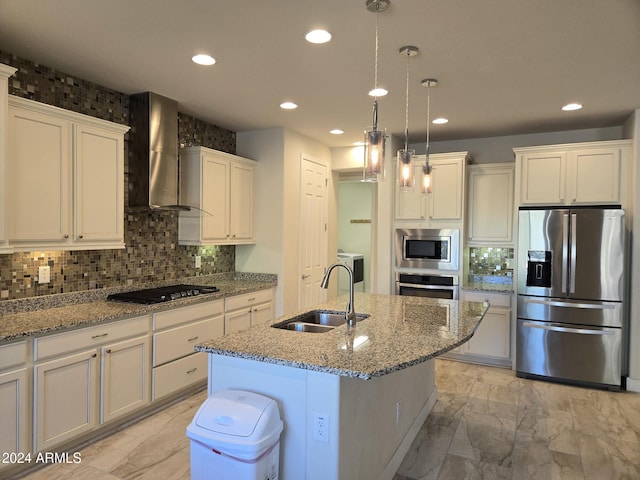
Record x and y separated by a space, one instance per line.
571 284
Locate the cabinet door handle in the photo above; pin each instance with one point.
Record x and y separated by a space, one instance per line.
99 336
108 351
251 299
94 355
305 276
80 236
192 339
66 235
192 370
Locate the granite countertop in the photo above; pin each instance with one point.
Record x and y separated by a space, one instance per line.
489 283
53 313
401 331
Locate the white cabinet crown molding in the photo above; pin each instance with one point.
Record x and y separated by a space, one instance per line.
47 109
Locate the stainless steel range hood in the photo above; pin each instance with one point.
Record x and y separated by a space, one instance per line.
153 164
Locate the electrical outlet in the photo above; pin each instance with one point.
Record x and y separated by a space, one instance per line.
321 427
44 274
198 261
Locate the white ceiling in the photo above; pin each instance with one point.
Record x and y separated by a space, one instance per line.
504 66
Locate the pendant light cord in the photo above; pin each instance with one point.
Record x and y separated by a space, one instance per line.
428 107
406 111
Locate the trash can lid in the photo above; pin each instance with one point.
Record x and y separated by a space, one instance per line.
232 412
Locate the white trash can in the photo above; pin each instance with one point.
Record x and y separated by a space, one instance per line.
235 435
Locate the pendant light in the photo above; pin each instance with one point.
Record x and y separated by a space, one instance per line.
406 156
374 137
426 170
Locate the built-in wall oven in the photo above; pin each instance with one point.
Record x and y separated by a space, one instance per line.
427 285
427 248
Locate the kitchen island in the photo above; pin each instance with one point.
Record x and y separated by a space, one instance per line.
352 400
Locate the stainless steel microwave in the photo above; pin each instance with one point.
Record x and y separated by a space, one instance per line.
428 248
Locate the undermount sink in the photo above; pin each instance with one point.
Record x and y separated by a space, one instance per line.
317 321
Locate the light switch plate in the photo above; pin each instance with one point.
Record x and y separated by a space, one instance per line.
44 274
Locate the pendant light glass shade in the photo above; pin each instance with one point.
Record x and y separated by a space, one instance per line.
406 156
374 137
426 170
405 169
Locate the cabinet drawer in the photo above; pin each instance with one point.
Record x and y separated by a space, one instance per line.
90 336
178 374
177 316
13 354
248 299
178 342
495 299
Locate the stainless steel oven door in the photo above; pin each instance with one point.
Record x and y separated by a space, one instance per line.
430 286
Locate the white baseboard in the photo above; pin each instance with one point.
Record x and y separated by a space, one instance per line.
633 384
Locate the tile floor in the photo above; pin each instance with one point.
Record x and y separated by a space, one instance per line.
487 424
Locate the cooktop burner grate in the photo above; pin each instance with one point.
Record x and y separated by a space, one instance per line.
162 294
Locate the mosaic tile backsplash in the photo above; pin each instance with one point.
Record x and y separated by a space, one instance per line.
494 261
152 253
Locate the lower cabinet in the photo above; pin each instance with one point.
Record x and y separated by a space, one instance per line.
244 311
14 406
87 377
176 364
491 343
55 388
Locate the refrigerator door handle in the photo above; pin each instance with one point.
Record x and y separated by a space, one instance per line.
555 303
557 328
572 270
565 247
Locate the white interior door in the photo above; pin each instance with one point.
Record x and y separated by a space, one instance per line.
313 232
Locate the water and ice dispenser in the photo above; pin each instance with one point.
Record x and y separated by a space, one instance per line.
539 268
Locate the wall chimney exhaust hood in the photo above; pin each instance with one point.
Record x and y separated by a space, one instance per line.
153 161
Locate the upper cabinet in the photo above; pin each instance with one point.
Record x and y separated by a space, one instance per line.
5 72
65 179
490 205
220 187
572 174
446 200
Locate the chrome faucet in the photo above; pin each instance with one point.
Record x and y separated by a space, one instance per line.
350 312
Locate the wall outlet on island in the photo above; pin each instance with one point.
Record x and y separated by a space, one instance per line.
320 427
198 261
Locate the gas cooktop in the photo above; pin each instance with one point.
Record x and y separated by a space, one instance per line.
150 296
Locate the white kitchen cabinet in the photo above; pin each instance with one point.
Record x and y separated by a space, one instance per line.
573 174
490 204
125 378
220 187
65 398
246 310
176 365
5 72
491 342
445 202
78 190
14 403
75 378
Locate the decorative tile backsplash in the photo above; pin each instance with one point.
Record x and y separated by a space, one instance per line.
152 253
495 261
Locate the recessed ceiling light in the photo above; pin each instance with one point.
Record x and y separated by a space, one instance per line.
336 131
440 121
203 59
572 106
288 105
378 92
318 36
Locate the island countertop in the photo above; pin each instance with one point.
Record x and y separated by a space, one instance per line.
400 331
